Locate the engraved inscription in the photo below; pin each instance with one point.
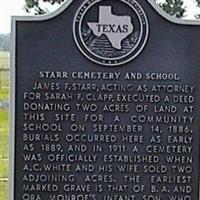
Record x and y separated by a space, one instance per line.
111 141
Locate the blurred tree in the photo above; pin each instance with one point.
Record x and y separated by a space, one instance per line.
174 7
198 2
35 4
197 16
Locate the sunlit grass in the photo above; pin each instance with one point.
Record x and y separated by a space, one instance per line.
4 168
3 189
4 124
4 128
4 94
4 60
4 75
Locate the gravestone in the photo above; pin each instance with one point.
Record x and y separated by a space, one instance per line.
105 104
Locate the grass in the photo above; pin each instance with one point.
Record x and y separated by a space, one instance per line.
4 95
4 169
4 134
4 60
4 75
3 190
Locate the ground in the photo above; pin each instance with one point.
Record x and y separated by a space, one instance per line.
4 93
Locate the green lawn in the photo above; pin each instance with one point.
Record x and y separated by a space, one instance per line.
4 134
4 169
4 94
4 60
4 126
4 75
3 190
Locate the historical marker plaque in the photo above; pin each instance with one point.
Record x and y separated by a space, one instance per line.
106 104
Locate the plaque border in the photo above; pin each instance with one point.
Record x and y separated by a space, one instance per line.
12 101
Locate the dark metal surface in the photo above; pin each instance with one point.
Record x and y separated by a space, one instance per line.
49 46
